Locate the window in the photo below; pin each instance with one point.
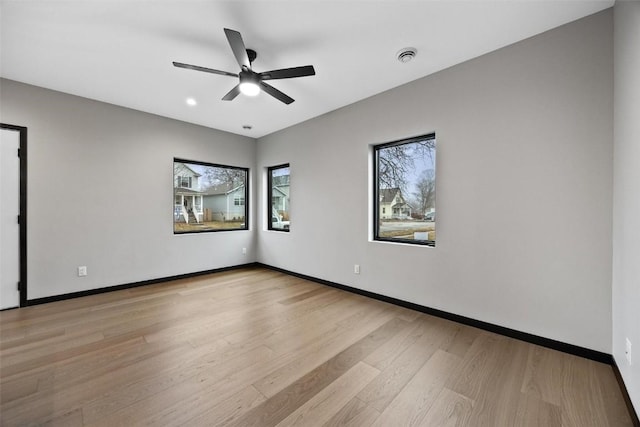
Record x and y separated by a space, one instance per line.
184 181
405 191
209 197
278 178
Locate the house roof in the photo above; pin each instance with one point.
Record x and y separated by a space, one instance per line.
186 191
222 189
388 194
283 189
186 166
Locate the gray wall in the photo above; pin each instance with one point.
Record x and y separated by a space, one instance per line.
100 192
524 188
525 178
626 193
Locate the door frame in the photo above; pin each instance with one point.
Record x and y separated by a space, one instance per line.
22 130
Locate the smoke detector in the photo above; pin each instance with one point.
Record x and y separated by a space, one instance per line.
406 54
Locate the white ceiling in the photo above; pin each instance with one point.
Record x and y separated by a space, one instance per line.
121 52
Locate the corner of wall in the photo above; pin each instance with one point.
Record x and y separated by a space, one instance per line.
626 199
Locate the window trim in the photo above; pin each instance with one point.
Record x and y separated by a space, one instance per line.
376 191
215 165
184 179
270 170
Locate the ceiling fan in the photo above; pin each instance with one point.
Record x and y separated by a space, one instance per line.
252 82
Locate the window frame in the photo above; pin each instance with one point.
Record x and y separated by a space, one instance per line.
270 170
187 162
183 179
376 190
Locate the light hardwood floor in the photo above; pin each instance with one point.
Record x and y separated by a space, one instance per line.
255 347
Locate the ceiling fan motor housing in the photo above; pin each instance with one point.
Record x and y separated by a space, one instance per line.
252 54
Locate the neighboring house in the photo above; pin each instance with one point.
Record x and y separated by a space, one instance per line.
393 205
225 201
280 198
187 194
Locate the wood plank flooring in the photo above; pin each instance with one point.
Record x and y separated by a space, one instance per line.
255 347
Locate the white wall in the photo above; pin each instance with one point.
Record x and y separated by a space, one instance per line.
524 188
626 193
100 192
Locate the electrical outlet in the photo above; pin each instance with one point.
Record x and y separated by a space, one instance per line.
82 271
356 268
627 351
244 251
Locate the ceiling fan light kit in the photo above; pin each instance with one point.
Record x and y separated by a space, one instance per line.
250 82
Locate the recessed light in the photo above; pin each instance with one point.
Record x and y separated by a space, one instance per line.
406 54
192 102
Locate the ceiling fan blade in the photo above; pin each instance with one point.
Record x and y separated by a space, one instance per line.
238 48
276 93
206 70
232 93
287 73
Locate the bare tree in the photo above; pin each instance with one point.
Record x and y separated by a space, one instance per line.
425 194
280 180
396 163
219 175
